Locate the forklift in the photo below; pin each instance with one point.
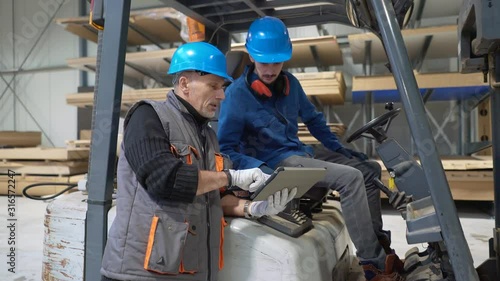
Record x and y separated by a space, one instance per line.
423 195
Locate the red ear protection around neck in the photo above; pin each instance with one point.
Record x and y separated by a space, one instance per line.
261 89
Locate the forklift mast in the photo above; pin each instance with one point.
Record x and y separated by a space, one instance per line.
385 18
479 42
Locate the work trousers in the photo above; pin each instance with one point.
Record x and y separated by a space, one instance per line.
350 183
371 170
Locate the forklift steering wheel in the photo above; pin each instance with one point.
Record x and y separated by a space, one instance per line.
376 128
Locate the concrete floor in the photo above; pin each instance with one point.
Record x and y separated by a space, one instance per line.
476 222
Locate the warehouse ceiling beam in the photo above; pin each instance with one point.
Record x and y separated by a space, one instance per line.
183 8
236 16
251 4
290 16
229 9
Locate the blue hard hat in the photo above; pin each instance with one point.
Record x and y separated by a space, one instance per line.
199 56
268 41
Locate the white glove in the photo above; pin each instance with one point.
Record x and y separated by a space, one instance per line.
275 203
249 179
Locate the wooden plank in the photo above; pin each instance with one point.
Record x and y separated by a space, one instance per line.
308 140
424 80
20 139
130 97
303 76
39 153
85 134
78 144
23 181
162 24
462 164
443 45
56 168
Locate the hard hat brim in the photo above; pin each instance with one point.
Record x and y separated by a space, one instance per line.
217 73
272 58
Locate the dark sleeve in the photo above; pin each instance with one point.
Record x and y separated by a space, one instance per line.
147 149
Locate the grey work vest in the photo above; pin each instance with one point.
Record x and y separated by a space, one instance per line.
156 239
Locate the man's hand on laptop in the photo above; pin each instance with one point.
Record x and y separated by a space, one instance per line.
248 179
275 203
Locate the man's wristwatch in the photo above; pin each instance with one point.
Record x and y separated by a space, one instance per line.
229 178
246 209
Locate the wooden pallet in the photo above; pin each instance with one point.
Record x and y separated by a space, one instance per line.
53 168
78 144
39 153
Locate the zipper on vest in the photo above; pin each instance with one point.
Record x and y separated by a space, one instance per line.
208 239
207 201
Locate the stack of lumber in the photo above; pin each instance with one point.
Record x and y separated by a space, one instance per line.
78 143
162 24
469 178
443 41
20 139
328 87
85 141
306 137
128 97
41 165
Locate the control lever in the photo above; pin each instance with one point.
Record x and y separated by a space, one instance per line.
397 199
389 106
